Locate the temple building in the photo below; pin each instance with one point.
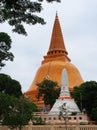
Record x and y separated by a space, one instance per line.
52 65
65 110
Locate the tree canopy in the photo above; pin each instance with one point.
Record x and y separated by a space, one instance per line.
86 96
9 86
17 12
15 112
5 45
49 90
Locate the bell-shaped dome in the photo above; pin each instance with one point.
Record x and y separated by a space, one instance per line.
54 62
53 70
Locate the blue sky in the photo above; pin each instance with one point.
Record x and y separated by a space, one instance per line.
78 19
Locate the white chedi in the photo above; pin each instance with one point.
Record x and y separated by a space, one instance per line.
64 98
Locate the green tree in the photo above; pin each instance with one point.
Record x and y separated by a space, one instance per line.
94 114
9 86
5 45
15 112
49 90
76 94
86 94
17 12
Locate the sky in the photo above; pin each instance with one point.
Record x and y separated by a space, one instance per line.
78 20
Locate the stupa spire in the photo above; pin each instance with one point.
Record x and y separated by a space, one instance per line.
64 98
57 49
57 42
65 93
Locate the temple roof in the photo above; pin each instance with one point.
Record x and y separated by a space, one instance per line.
57 49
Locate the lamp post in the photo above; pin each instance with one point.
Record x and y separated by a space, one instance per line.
64 114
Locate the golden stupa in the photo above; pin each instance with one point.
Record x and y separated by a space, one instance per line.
54 62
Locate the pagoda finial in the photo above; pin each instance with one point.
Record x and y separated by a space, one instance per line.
57 47
57 42
56 13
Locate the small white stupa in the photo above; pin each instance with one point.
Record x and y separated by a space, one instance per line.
65 98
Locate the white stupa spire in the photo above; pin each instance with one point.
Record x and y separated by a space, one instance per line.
64 89
64 98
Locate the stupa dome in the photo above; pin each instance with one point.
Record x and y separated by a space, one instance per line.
52 70
54 62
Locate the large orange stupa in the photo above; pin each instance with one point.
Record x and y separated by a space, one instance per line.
54 62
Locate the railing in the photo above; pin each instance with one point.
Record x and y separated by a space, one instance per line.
55 127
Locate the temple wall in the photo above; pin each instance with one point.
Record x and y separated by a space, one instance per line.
55 127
